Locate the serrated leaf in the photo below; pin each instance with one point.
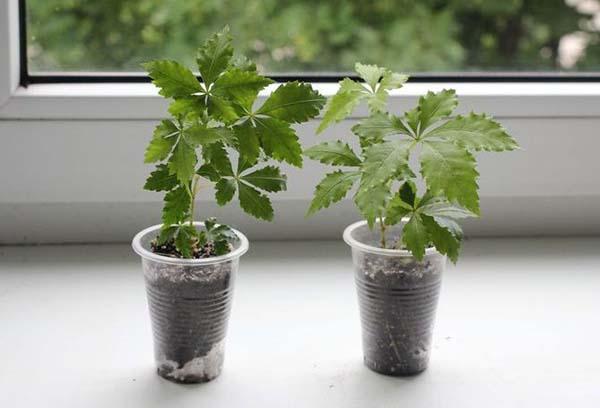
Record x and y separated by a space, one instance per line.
186 235
332 188
369 73
373 201
384 161
161 179
214 56
450 225
222 110
392 80
376 127
336 153
162 142
475 132
255 203
268 178
449 170
177 205
224 190
443 240
342 103
408 193
242 62
208 172
183 106
183 161
415 236
445 209
200 135
240 86
294 102
396 210
279 141
435 106
173 79
167 232
248 142
216 156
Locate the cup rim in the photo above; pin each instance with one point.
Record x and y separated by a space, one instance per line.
136 244
348 239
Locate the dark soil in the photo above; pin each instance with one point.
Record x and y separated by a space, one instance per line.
189 308
398 299
169 249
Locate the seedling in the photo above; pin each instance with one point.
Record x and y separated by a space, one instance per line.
212 121
387 185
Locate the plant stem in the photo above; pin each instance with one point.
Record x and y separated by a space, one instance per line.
193 198
382 230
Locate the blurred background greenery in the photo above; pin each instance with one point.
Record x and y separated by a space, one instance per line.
292 36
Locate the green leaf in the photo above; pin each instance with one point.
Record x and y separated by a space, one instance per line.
415 236
373 201
392 80
449 170
225 189
369 73
167 232
222 110
435 106
279 141
475 132
200 135
240 86
332 189
293 102
161 179
184 106
162 142
396 210
408 193
216 156
445 209
384 161
247 142
177 205
214 56
186 235
268 178
336 153
376 127
208 172
255 203
342 103
173 79
444 241
183 161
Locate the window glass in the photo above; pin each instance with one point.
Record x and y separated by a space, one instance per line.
316 36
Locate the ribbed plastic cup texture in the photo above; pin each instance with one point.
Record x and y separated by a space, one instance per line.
397 297
189 302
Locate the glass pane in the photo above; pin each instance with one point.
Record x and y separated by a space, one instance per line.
319 36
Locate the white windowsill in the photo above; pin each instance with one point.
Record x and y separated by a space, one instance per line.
516 326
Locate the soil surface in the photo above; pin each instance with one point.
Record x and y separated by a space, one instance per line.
189 308
398 299
169 249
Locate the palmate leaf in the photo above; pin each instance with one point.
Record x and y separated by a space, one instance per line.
182 162
372 202
200 135
475 132
415 236
332 189
268 178
279 140
342 103
449 170
173 79
214 56
390 80
444 241
377 126
247 141
217 158
433 107
165 136
240 86
161 179
222 109
369 73
254 203
294 102
384 161
225 190
177 206
336 153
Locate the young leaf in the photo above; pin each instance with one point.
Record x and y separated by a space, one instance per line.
162 142
342 103
182 162
408 193
214 56
173 79
371 202
224 190
369 73
449 170
255 203
240 86
384 161
415 236
184 240
279 140
435 106
167 232
332 189
336 153
161 179
376 127
444 241
177 205
392 80
293 102
268 178
475 132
